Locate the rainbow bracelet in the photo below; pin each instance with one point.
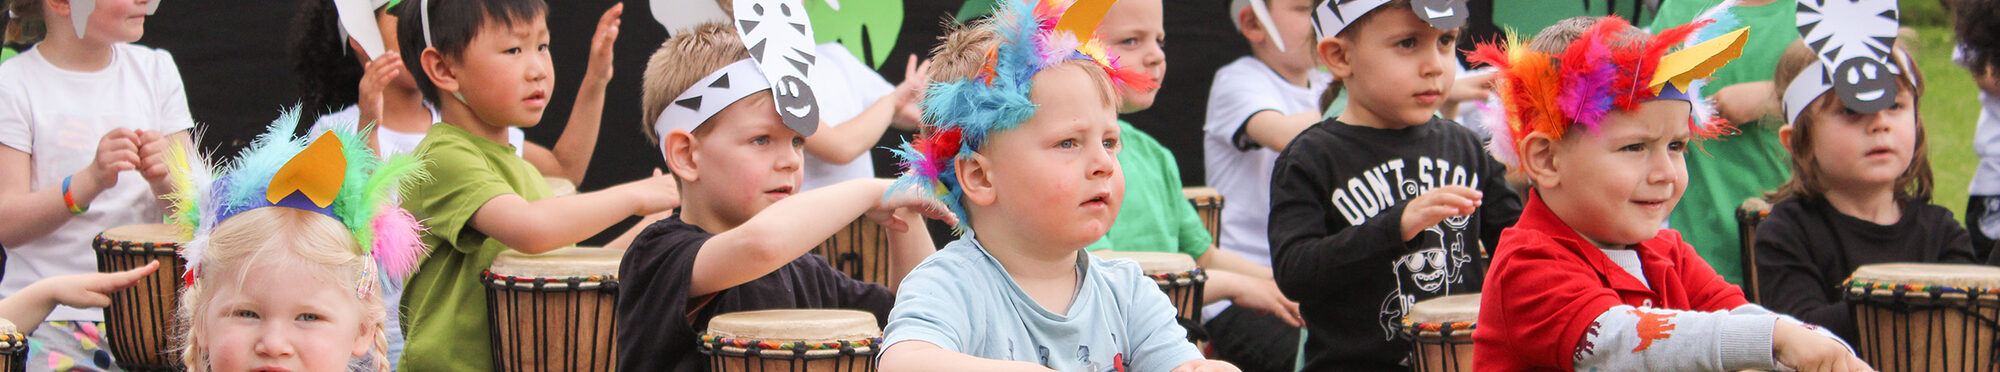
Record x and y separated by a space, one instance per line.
71 200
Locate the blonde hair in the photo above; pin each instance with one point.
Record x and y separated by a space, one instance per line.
1808 182
682 61
963 52
306 239
25 24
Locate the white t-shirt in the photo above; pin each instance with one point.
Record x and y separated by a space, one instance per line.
1239 168
1986 143
393 142
57 116
845 88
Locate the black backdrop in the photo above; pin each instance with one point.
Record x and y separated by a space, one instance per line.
232 59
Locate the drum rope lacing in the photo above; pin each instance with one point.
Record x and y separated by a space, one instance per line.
1936 292
1180 278
598 282
714 345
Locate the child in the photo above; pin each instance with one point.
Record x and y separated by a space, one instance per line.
1022 143
1386 205
740 243
86 119
1257 104
1860 194
1978 27
1588 280
331 68
29 306
1750 161
486 67
285 249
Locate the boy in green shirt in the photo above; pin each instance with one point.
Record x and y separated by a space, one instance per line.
1725 171
489 62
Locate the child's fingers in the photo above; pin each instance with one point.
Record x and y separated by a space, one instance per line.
124 279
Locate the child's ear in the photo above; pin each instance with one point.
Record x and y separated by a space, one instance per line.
442 77
365 342
1538 160
678 149
1785 136
1251 29
59 7
1332 53
975 180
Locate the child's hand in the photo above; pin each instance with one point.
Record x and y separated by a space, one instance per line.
1808 351
1263 296
117 151
1205 365
1471 87
374 77
1745 102
1435 206
94 289
659 193
152 155
911 92
599 71
885 212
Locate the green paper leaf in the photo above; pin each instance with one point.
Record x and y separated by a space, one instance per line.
6 53
973 9
874 23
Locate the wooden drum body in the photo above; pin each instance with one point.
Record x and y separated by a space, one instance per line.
13 348
792 340
1927 317
140 323
861 250
1440 333
1177 275
1208 203
554 311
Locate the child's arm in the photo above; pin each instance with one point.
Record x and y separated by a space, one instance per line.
842 144
153 150
792 227
1790 280
923 356
1749 337
547 224
28 307
1260 294
1274 131
909 247
579 138
34 214
1307 249
1156 340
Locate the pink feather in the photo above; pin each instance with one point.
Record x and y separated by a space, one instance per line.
399 245
1586 95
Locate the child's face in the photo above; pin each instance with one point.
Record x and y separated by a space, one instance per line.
1293 18
1865 149
505 73
117 21
749 160
1398 67
272 319
1056 176
1135 33
1617 185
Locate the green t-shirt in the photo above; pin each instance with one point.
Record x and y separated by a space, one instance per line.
445 304
1725 171
1155 216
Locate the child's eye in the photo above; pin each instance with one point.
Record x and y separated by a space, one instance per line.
1129 41
1162 40
544 47
798 142
1066 144
1677 145
1407 43
308 317
512 51
1633 147
1448 40
244 314
1111 143
761 140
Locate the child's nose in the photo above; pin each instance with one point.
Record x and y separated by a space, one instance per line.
1103 163
272 343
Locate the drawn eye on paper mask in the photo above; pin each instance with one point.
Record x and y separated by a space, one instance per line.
1441 14
780 39
1854 40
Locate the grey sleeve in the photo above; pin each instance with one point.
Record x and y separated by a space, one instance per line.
1630 338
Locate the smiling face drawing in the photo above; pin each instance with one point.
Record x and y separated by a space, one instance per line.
1854 39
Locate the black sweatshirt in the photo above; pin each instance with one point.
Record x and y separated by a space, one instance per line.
1337 198
1805 249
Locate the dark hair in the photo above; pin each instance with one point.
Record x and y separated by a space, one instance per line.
329 76
1979 32
1808 182
1334 89
453 25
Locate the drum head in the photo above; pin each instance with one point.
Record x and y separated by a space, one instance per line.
559 264
1961 276
1447 309
160 234
1154 263
796 325
1200 192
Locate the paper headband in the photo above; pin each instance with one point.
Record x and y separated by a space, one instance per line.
334 174
1854 41
79 13
1262 11
779 37
357 20
960 114
1333 16
709 95
1599 72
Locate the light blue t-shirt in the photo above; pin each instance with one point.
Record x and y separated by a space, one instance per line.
962 300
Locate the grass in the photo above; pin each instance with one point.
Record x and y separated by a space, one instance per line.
1950 109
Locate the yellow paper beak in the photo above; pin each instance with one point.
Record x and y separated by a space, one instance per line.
1681 68
317 172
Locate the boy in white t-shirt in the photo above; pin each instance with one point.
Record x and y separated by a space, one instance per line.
86 119
1257 104
857 107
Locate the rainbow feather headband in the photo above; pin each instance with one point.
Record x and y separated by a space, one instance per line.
334 174
961 113
1600 72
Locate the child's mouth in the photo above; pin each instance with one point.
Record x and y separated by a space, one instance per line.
1429 96
1880 151
1099 200
537 99
781 192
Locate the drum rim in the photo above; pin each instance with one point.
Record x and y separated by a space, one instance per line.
1180 279
734 347
593 282
1871 285
103 244
13 340
1412 329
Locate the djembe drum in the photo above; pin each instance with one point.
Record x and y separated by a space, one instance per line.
1748 216
140 323
1208 203
792 340
13 348
861 250
1927 317
554 311
1440 333
1177 275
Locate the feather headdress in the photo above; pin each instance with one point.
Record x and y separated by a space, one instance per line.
960 114
331 172
1599 72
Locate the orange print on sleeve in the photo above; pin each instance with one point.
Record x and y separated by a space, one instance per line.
1651 327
